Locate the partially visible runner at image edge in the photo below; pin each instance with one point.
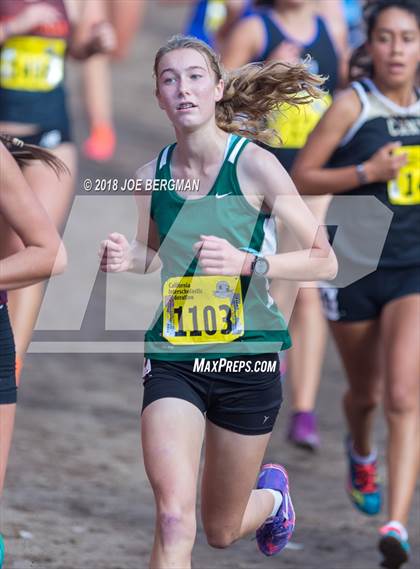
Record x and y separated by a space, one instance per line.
41 256
35 39
289 31
368 144
215 269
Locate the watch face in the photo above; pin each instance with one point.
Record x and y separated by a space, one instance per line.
261 267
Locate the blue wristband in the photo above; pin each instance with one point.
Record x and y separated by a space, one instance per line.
249 250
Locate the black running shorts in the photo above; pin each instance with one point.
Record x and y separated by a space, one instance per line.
8 389
242 394
48 139
364 299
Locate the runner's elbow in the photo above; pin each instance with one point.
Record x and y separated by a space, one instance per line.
329 267
55 260
303 180
61 260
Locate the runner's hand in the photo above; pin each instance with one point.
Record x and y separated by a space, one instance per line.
218 257
115 254
384 164
33 16
102 39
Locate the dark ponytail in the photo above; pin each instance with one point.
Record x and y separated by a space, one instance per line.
24 153
360 64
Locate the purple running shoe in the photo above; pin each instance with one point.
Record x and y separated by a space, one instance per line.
303 430
277 530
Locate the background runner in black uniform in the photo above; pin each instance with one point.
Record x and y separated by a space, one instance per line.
371 139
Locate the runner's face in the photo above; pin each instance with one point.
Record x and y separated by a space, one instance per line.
395 47
186 88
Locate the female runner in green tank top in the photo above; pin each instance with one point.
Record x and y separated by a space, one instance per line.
217 331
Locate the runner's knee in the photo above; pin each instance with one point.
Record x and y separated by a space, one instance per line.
220 537
176 526
400 399
365 402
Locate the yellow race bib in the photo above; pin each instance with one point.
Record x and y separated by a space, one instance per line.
202 310
405 189
31 63
294 124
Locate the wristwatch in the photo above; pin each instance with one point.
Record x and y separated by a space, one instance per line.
259 266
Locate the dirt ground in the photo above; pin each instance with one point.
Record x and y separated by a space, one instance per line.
77 496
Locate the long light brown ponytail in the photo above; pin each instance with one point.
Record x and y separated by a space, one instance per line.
253 91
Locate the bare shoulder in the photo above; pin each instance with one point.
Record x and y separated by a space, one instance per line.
245 41
260 170
147 171
347 104
255 161
143 196
251 24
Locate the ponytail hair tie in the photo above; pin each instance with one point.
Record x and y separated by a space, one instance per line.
18 142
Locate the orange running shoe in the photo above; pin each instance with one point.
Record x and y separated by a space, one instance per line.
100 145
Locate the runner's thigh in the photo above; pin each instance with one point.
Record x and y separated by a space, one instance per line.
172 433
231 468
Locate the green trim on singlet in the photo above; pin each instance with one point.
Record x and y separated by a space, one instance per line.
180 223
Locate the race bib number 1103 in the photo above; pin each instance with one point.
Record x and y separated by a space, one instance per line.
202 309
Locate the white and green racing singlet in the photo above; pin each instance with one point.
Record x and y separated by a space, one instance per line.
211 316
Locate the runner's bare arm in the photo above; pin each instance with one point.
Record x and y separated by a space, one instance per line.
234 9
333 13
44 253
91 32
117 254
260 172
244 43
309 172
30 17
147 238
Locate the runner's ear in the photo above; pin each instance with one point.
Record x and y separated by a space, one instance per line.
220 87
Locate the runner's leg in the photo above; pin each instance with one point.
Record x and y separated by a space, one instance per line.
172 433
358 344
230 507
400 327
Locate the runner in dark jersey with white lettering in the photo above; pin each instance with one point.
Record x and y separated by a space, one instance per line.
215 338
368 146
22 212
